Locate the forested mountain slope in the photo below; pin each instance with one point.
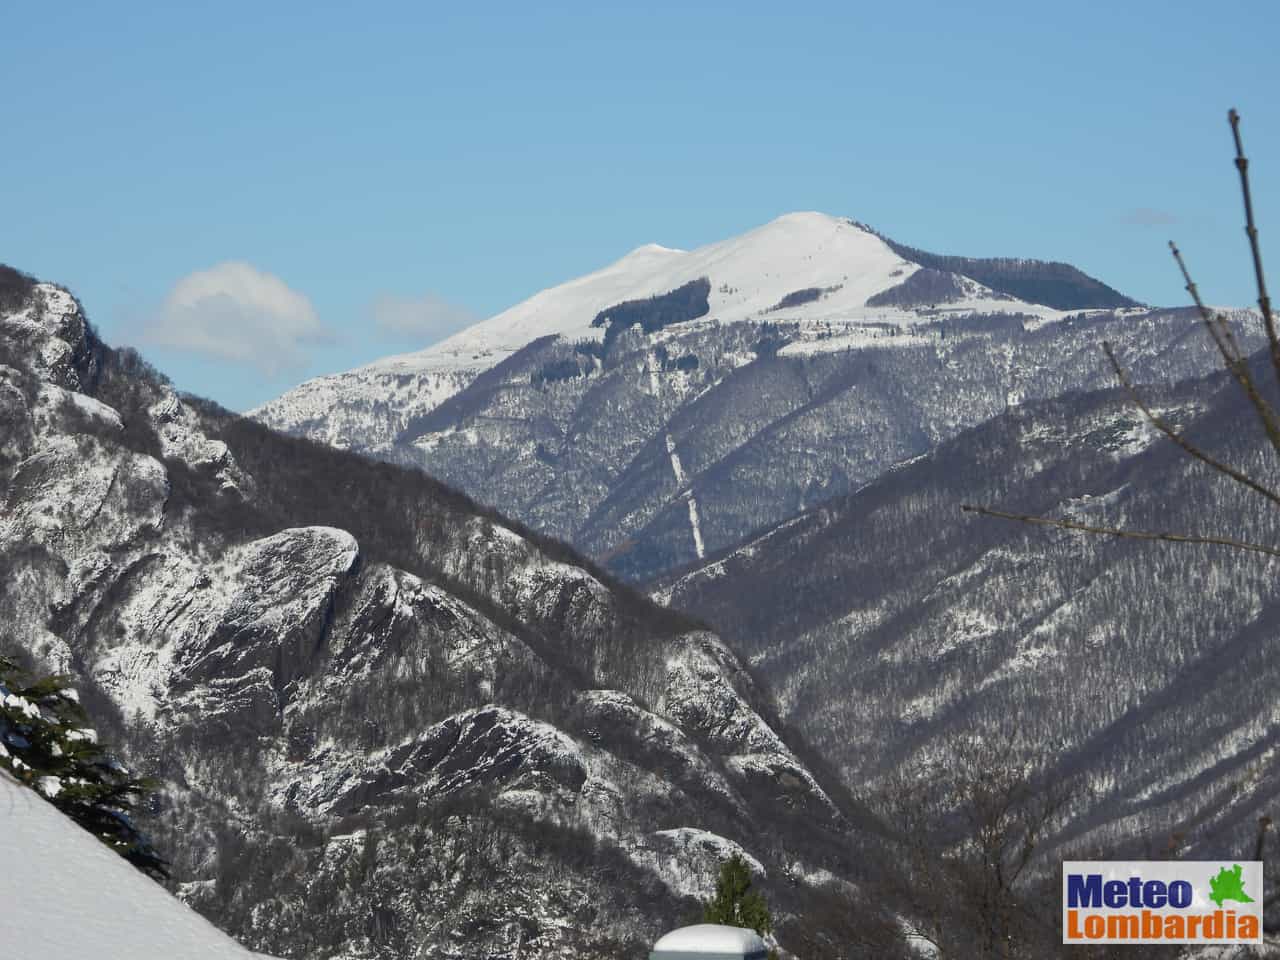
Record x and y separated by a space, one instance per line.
889 623
1053 284
671 404
385 719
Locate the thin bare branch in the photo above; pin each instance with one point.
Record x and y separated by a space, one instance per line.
1235 362
1251 230
1118 532
1216 326
1228 336
1191 449
1228 356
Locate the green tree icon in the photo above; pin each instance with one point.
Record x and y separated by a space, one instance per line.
1228 885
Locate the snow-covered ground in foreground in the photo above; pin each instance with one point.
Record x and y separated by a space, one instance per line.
65 896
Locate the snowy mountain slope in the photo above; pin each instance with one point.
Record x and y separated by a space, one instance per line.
819 358
693 437
65 896
383 717
842 262
888 622
371 404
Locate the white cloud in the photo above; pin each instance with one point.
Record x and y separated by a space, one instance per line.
1148 217
425 319
234 311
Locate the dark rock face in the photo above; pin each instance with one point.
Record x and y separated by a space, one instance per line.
16 430
383 718
474 749
280 606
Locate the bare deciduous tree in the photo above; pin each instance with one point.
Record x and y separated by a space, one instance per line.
970 828
1235 362
840 923
1238 365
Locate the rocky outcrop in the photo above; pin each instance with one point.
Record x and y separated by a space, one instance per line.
333 665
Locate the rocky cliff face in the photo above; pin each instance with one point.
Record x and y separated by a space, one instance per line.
385 720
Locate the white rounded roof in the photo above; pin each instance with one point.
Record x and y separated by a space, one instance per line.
711 938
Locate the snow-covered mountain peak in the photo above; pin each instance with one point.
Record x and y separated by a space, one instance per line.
566 310
805 226
756 273
750 276
838 282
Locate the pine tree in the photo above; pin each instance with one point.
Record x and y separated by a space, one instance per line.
735 904
46 742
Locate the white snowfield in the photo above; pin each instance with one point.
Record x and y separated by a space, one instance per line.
65 896
749 275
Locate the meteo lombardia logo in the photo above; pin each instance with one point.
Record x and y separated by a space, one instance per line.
1162 901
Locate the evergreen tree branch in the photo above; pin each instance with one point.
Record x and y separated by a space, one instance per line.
43 733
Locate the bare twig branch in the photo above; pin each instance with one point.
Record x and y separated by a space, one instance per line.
1229 336
1237 364
1251 230
1163 426
1205 313
1234 360
1118 532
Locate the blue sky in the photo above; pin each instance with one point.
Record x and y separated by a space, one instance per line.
376 174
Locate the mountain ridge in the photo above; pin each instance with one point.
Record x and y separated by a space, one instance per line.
1050 282
334 664
1141 666
587 430
627 278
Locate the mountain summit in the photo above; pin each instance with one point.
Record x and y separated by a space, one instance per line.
750 275
675 401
